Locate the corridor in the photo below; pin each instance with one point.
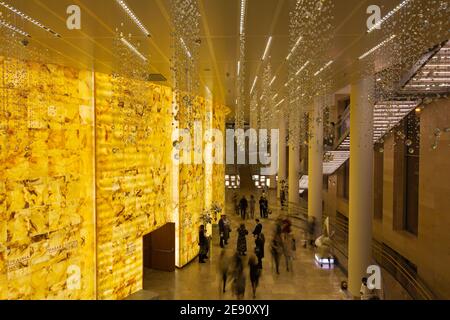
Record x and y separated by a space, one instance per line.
202 282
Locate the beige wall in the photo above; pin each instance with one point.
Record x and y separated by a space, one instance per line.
430 249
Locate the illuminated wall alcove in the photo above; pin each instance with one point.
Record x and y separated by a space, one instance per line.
86 171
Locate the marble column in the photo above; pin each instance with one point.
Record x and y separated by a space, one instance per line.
361 183
281 154
294 172
315 168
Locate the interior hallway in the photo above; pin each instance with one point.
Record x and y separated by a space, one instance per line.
202 282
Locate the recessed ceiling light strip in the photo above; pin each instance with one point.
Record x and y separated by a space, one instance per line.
253 85
303 67
133 48
239 67
186 48
279 103
324 67
269 41
14 28
242 17
133 17
28 18
386 17
271 81
376 47
294 48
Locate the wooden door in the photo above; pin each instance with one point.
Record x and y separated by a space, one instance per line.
159 248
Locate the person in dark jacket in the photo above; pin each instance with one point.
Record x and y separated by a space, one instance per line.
203 243
222 231
255 273
276 251
243 204
242 240
259 248
258 228
261 207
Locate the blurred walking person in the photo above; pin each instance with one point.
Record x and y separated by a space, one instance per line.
224 268
243 204
252 206
242 240
255 273
238 277
259 248
203 243
275 249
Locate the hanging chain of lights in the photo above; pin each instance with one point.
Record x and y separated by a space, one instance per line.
240 81
310 33
186 45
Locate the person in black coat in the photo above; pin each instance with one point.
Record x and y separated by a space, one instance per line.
222 231
203 243
261 206
258 228
259 248
243 204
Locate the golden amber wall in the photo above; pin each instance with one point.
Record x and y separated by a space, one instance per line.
46 182
218 181
133 159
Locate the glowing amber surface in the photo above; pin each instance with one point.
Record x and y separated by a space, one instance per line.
133 149
46 182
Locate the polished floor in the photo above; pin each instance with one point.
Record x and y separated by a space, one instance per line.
202 282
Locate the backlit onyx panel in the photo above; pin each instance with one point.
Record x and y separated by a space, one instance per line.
46 182
133 149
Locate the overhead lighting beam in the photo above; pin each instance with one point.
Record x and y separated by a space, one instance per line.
238 67
28 18
242 17
294 48
14 28
188 53
386 17
269 41
378 46
324 67
271 81
133 48
253 85
302 67
133 17
279 103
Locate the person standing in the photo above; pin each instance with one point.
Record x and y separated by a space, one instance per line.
252 206
226 230
255 273
259 248
261 206
258 228
242 240
202 242
222 231
243 204
266 207
238 277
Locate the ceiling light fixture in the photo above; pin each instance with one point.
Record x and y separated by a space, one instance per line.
271 81
28 18
279 103
242 20
269 41
186 48
253 85
133 17
133 48
324 67
294 48
275 96
303 67
377 47
287 83
238 67
14 28
386 17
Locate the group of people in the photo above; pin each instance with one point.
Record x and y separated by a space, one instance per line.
234 267
243 204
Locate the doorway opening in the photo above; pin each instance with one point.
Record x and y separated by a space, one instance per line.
159 249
